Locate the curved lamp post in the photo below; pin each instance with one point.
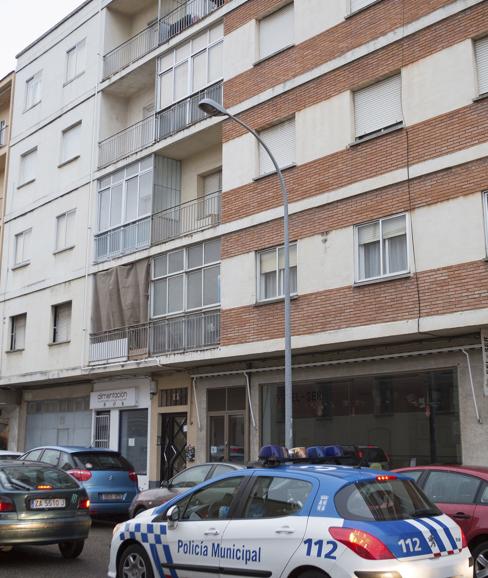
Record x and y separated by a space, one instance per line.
213 108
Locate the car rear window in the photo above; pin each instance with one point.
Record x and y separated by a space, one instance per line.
30 477
395 499
374 454
97 461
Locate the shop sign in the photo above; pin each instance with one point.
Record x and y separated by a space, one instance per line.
484 349
114 398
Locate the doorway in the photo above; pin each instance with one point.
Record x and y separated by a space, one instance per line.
173 428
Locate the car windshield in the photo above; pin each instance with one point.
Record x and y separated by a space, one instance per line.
31 477
98 461
395 499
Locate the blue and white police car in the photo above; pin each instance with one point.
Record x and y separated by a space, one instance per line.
307 518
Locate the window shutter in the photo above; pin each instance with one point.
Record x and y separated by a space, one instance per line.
481 50
28 166
369 233
70 228
281 141
19 331
267 262
212 183
378 106
62 322
358 4
276 31
71 142
394 227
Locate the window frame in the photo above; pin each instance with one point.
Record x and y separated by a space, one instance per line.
66 246
476 494
22 178
30 91
382 276
63 160
76 49
13 332
17 237
54 314
278 297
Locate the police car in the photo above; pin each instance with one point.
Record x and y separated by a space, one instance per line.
303 518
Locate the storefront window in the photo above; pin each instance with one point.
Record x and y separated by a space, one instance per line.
133 438
414 417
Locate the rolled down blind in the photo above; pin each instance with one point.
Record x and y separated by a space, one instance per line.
481 50
358 4
63 322
276 31
281 141
394 227
378 106
369 233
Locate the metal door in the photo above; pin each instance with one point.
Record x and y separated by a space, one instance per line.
173 444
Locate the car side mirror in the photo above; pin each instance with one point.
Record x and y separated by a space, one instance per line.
173 515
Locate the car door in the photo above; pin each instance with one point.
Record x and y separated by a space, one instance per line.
270 526
455 495
195 539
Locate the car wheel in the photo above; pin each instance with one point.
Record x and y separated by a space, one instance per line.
313 573
72 549
134 563
480 555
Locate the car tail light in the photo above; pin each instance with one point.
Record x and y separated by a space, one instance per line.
464 542
385 478
360 454
80 475
133 476
44 487
362 543
6 505
84 504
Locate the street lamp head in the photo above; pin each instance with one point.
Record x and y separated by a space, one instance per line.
212 108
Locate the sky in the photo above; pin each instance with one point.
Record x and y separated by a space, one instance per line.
25 20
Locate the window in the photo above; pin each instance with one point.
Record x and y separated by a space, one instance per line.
51 457
133 438
481 51
186 279
70 143
274 497
75 60
381 248
378 107
190 477
212 183
3 131
33 90
191 67
359 4
17 332
28 167
65 230
61 328
22 248
126 195
276 31
102 429
271 272
212 502
281 141
451 488
413 474
484 495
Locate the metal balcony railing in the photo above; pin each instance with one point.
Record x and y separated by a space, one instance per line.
133 49
185 113
126 142
123 240
184 16
173 335
195 215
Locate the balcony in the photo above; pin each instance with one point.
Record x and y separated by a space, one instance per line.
189 217
123 240
175 22
163 336
3 135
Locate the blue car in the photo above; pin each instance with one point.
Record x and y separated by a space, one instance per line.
108 478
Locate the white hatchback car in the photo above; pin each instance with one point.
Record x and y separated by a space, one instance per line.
296 519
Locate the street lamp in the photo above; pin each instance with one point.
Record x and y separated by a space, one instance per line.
213 108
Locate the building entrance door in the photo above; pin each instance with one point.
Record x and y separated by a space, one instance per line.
173 444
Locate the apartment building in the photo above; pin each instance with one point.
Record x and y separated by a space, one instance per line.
143 285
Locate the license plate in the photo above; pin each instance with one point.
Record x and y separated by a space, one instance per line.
48 504
113 497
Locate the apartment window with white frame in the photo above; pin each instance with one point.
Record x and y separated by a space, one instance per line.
22 248
276 31
28 167
65 230
357 5
281 140
191 67
378 108
70 143
75 60
126 195
381 248
17 332
33 90
481 52
270 265
61 322
186 280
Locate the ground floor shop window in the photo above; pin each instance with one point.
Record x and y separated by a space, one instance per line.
133 438
414 417
3 435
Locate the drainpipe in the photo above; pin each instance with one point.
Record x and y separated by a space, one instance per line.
197 412
475 403
248 389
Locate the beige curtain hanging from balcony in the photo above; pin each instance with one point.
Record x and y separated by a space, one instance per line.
120 297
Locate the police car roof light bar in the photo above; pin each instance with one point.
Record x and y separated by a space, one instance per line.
274 455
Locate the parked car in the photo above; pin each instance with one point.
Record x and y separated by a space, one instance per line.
107 476
8 455
40 505
177 484
301 520
360 455
462 493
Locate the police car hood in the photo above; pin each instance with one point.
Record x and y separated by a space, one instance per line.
429 537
